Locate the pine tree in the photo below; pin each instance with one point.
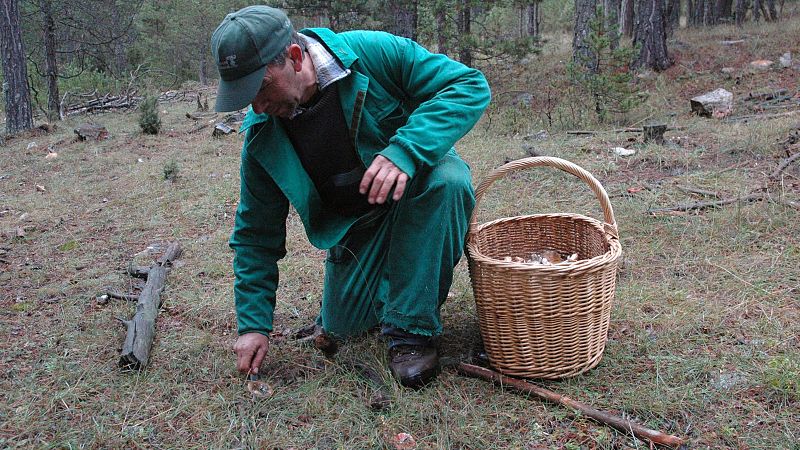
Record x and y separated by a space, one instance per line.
149 121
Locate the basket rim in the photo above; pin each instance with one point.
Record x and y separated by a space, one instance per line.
613 253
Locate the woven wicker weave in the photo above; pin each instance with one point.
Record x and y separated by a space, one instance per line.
544 321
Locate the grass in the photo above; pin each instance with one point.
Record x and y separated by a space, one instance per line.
703 341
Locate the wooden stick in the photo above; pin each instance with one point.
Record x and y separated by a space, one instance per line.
617 422
761 116
694 190
142 327
127 297
784 164
704 205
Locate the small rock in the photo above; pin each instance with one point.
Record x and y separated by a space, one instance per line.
51 155
523 99
40 188
718 101
404 441
139 160
540 136
786 60
761 64
102 299
728 70
621 151
31 145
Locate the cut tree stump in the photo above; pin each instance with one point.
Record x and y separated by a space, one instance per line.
142 326
654 133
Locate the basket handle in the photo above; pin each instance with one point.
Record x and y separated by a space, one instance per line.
610 224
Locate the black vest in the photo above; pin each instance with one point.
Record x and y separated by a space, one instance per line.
321 139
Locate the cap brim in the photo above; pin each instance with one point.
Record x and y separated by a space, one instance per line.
235 95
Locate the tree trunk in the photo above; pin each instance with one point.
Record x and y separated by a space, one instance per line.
465 29
626 18
757 6
709 17
19 116
673 16
203 66
741 11
773 11
534 18
611 10
403 16
724 10
585 11
651 35
50 61
441 28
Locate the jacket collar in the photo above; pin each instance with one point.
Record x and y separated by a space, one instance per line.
333 42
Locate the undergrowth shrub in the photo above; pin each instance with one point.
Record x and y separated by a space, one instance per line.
149 121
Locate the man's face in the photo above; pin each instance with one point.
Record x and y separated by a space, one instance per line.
280 91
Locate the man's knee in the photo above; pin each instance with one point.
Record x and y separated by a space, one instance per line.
448 180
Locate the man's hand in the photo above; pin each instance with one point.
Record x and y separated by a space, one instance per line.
379 179
250 350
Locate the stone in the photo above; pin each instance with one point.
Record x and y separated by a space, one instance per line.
621 151
761 64
786 60
716 103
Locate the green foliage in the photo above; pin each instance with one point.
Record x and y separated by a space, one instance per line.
149 121
783 375
171 170
607 74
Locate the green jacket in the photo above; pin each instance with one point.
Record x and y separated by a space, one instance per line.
400 101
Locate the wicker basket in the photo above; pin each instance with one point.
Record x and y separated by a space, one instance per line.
544 321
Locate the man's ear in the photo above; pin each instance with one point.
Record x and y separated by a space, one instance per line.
296 56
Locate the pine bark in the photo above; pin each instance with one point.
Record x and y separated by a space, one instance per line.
585 11
627 18
465 29
611 10
741 11
50 60
403 16
673 15
651 35
19 116
534 18
441 31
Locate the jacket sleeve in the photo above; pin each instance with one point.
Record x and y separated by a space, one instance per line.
445 98
259 241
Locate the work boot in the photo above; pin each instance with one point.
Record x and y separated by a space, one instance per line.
413 359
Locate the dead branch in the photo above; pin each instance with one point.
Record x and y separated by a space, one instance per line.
141 328
760 116
619 130
603 417
783 165
705 205
694 190
126 297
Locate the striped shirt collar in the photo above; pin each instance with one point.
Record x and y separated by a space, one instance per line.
329 69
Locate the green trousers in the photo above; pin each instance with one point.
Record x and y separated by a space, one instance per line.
397 269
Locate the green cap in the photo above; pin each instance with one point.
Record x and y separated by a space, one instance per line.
242 45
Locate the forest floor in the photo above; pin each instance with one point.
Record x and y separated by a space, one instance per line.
704 340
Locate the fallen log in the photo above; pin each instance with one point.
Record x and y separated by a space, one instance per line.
142 326
705 205
783 165
617 422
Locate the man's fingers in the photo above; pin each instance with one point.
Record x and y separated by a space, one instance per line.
256 364
243 359
400 187
381 185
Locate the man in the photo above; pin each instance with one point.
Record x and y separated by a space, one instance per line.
356 131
